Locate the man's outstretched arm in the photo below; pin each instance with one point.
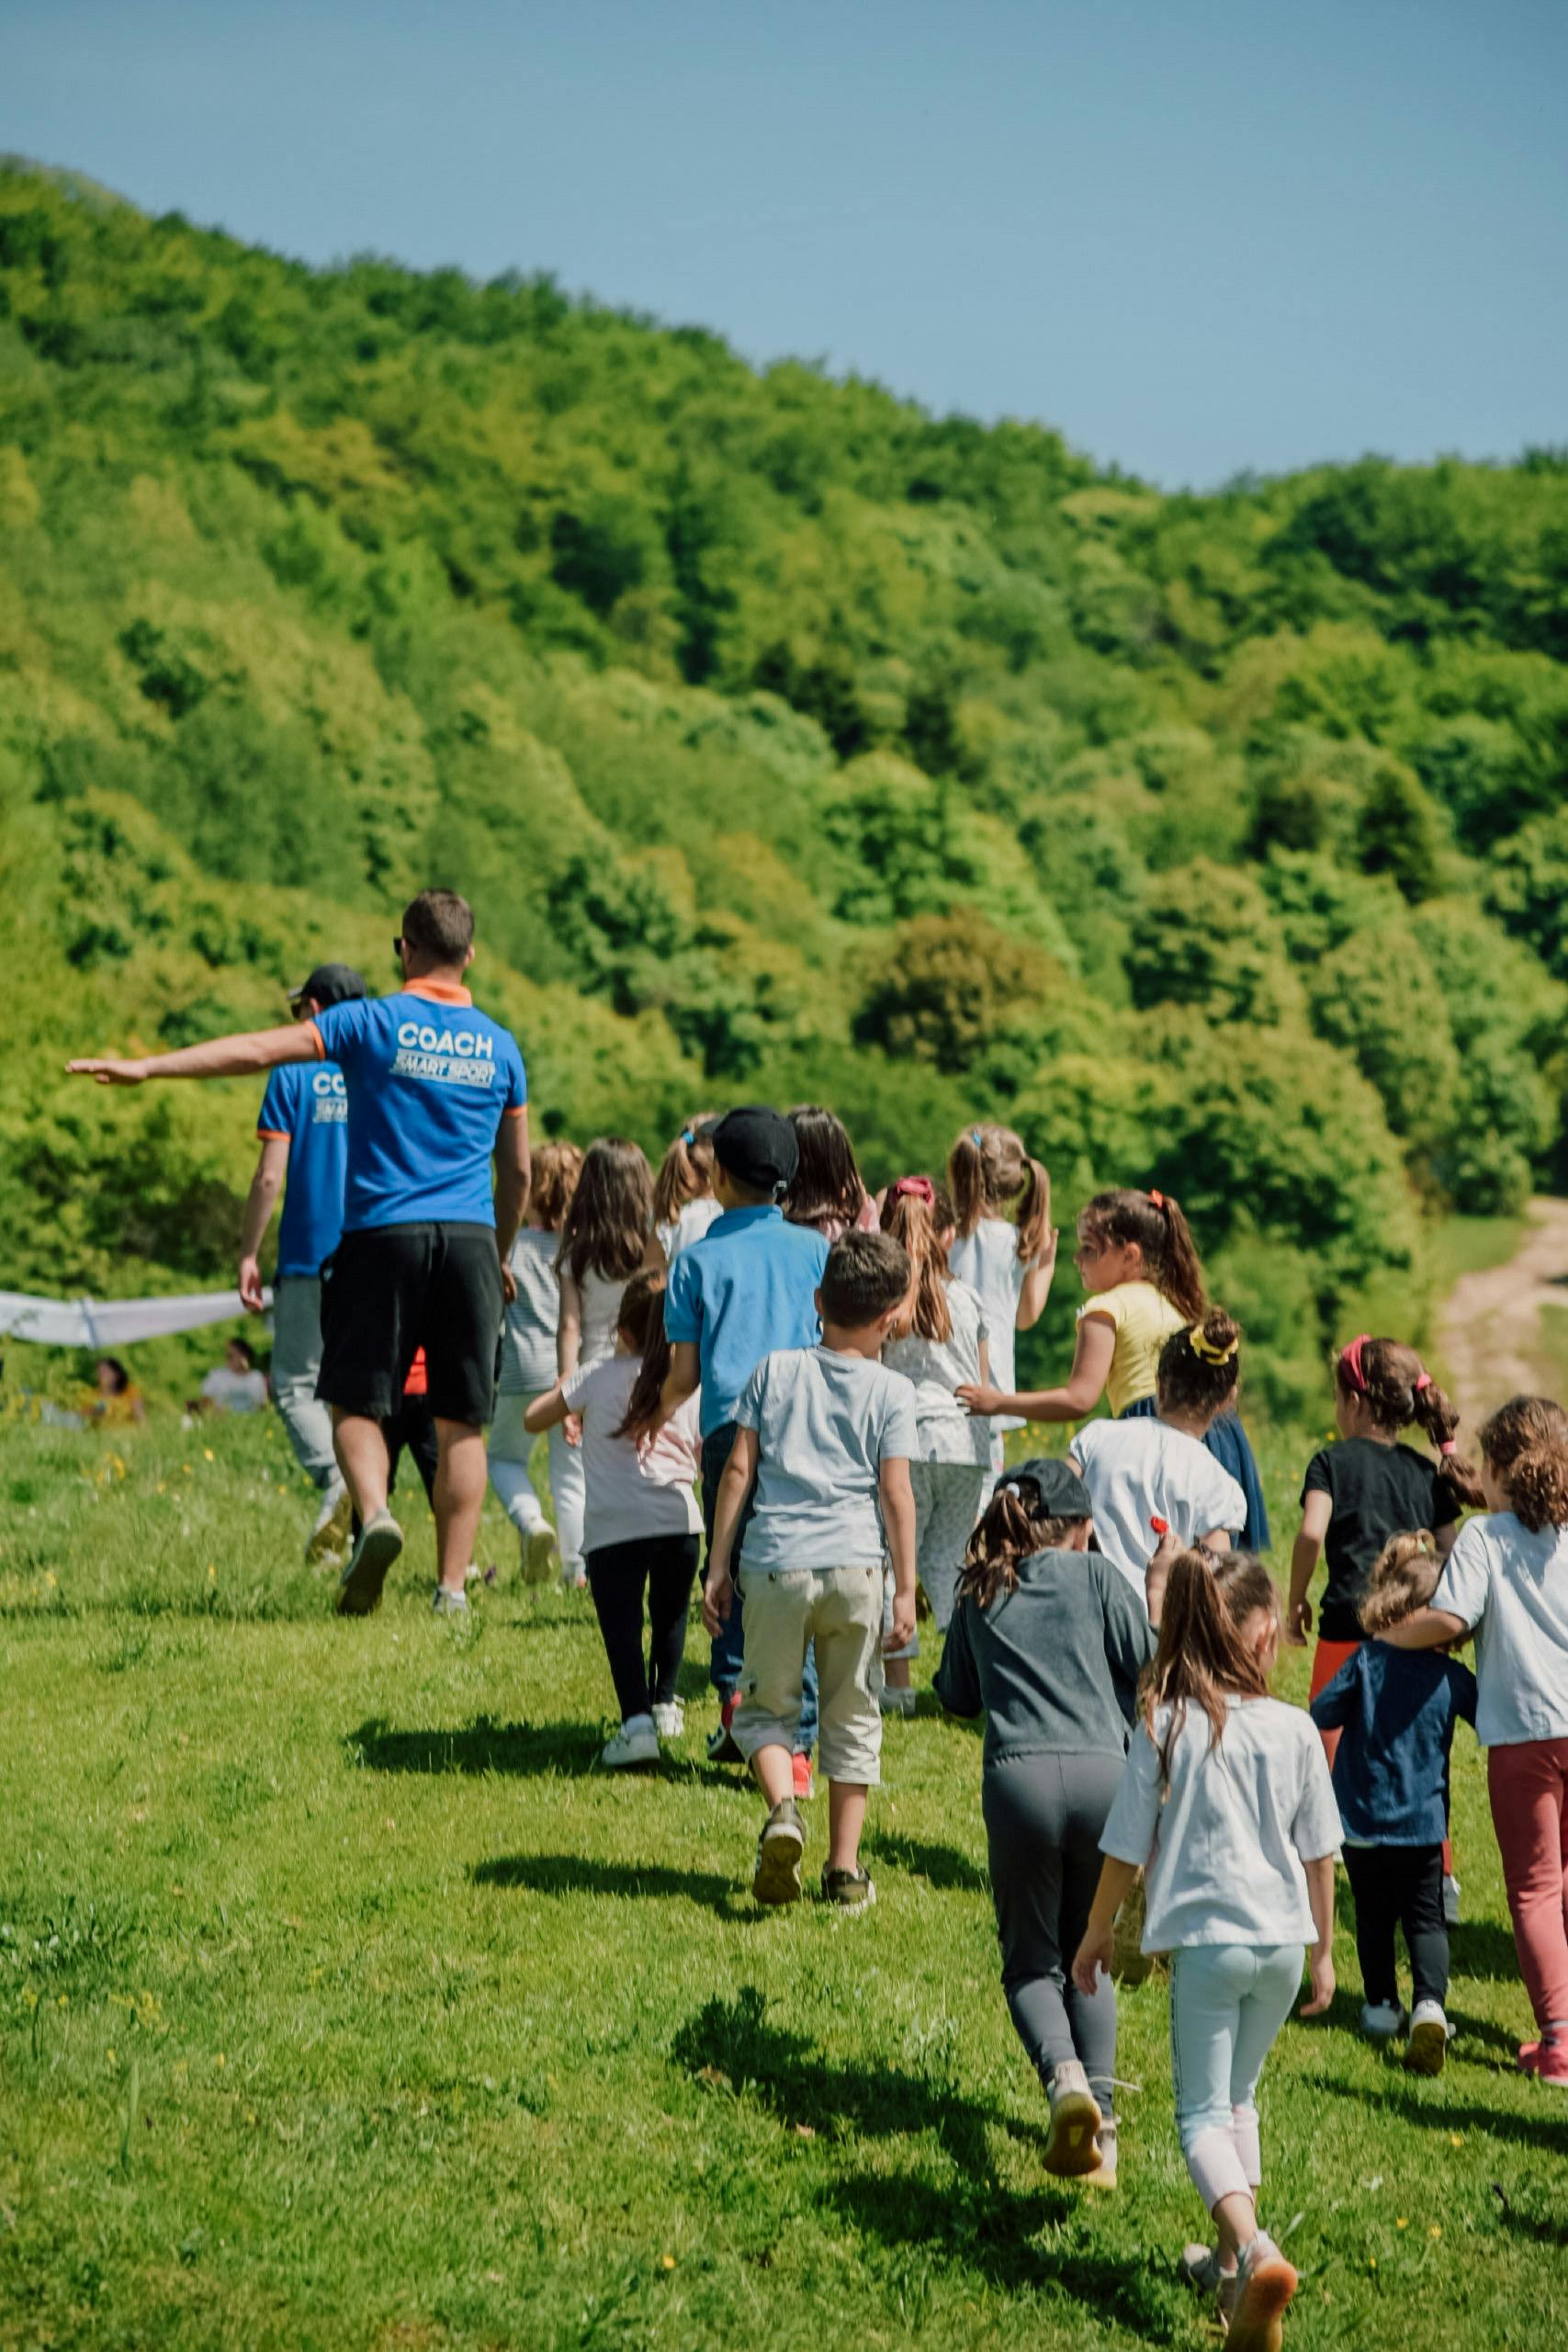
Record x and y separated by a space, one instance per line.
217 1057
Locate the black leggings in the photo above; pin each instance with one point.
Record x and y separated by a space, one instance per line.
1399 1885
667 1566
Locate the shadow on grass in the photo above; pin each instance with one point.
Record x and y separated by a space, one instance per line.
940 1866
1545 2229
974 2225
1486 1949
583 1874
483 1745
1405 2098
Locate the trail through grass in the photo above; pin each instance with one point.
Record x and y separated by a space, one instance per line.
342 2002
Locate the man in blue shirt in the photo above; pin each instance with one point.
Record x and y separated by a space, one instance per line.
434 1089
747 1287
303 1129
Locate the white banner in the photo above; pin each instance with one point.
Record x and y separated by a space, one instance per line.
113 1322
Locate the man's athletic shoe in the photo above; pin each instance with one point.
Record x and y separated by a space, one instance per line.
448 1605
1201 2268
848 1891
1076 2120
722 1749
1428 2044
541 1556
1381 2021
1105 2174
776 1878
329 1537
1265 2283
635 1743
805 1786
1450 1900
359 1589
669 1718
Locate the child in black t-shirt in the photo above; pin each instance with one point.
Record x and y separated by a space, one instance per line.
1358 1493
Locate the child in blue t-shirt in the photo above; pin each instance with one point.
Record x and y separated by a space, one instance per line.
747 1287
1395 1711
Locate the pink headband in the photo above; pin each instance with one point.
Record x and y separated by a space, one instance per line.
1350 1362
917 1188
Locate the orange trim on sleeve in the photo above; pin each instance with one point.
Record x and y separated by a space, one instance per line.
515 1110
273 1135
316 1040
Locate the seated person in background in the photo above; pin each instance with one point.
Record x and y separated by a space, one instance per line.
119 1400
236 1386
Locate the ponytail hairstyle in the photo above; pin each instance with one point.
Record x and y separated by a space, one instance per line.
685 1172
944 1216
611 1212
1013 1529
1198 1367
1203 1657
1401 1579
826 1188
1526 1442
907 1215
1156 1222
557 1167
991 1174
1397 1390
641 1321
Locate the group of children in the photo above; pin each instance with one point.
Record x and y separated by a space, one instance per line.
835 1372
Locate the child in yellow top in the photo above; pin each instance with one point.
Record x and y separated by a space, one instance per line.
1136 1260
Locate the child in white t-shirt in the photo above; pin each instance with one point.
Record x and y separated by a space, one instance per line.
683 1202
1225 1803
1006 1246
641 1528
529 1370
1144 1469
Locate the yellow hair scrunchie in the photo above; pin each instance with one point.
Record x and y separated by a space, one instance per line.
1205 1351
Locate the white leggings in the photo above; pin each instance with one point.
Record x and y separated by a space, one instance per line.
947 1503
511 1447
1227 2003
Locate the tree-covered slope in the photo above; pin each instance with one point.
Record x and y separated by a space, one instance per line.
788 741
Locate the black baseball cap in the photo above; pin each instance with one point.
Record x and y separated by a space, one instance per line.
330 984
758 1146
1062 1492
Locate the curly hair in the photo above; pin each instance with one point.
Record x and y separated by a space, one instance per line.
1401 1579
1200 1367
1155 1222
1526 1442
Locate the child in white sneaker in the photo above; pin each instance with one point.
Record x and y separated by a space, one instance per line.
641 1525
1225 1802
1395 1711
828 1434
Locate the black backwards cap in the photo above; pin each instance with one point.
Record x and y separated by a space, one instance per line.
1061 1492
758 1146
330 984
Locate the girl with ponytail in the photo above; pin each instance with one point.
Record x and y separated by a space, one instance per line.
1506 1581
1137 1263
941 1338
1048 1641
684 1204
1006 1248
1225 1803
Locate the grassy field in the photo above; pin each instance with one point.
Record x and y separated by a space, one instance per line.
341 2003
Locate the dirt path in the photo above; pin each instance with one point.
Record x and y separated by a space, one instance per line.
1489 1333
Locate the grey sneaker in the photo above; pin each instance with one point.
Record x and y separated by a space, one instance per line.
359 1589
1381 2021
633 1745
1105 2174
448 1605
1075 2123
1265 2283
848 1891
1201 2268
776 1878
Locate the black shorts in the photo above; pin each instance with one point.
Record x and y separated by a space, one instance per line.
392 1289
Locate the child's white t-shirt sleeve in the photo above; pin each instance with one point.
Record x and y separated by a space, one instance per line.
1465 1585
577 1385
1316 1831
1222 1502
900 1434
749 1410
1130 1826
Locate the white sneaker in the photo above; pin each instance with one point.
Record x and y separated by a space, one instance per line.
1076 2120
896 1703
329 1537
1381 2021
541 1556
448 1605
1265 2284
1105 2174
359 1587
669 1718
1450 1900
1428 2044
635 1743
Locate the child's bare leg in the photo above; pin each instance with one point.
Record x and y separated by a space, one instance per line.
896 1673
775 1768
846 1817
1235 2219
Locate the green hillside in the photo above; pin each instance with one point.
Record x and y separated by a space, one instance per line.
789 741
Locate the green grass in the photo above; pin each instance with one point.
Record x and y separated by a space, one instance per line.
1472 1245
343 2004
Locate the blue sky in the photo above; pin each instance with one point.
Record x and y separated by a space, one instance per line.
1198 236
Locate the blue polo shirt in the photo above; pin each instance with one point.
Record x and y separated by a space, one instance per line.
429 1081
306 1106
746 1288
